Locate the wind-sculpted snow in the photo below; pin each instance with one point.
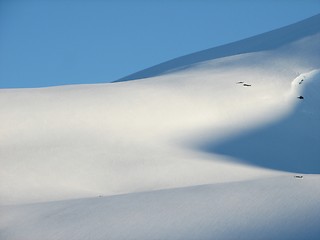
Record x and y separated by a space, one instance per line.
263 42
207 152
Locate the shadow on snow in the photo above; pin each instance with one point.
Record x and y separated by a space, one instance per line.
292 144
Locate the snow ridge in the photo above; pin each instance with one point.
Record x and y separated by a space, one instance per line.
263 42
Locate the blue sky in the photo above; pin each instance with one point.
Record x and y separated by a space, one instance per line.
48 43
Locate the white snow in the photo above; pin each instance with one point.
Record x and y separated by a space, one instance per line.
193 153
268 208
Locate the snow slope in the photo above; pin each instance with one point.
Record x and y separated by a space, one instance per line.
206 151
271 208
263 42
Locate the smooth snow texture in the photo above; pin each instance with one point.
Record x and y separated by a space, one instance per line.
263 42
234 124
291 144
275 208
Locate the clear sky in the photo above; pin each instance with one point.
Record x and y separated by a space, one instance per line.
55 42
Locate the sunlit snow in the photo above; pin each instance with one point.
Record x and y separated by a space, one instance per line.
206 146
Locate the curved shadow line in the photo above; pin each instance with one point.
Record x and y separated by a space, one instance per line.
291 144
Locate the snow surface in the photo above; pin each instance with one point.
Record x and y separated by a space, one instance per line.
263 42
271 208
208 150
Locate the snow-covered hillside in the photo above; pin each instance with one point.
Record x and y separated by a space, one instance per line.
263 42
206 147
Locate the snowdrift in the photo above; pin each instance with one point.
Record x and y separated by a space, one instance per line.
205 147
